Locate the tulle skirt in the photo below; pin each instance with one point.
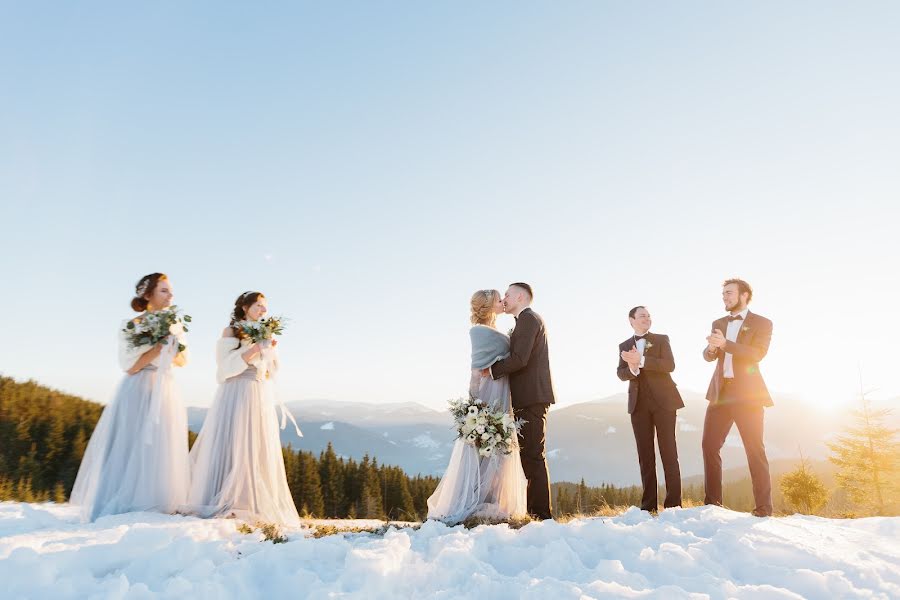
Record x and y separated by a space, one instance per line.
134 461
236 461
491 487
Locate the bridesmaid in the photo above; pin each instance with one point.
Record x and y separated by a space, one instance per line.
236 461
137 458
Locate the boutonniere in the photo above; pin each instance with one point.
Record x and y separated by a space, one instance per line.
648 345
745 329
511 329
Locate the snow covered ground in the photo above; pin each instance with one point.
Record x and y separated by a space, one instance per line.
692 553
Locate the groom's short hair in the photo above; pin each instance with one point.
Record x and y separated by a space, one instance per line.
634 310
742 286
525 287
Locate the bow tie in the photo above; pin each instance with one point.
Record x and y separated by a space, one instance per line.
735 318
639 337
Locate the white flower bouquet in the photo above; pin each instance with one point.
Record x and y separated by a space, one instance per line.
155 327
263 329
490 432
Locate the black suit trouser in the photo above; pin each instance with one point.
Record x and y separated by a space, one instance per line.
532 439
645 421
749 418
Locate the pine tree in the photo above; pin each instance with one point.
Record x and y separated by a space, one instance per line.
332 483
370 502
562 502
69 471
289 457
581 498
57 449
59 493
7 489
308 487
867 458
398 500
24 491
37 427
353 487
803 490
421 489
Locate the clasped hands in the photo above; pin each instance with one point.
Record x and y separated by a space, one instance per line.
716 341
632 357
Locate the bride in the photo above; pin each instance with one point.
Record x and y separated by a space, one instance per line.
237 464
137 458
492 487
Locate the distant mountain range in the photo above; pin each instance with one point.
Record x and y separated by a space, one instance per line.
591 439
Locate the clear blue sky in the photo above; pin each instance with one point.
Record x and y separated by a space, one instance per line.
369 165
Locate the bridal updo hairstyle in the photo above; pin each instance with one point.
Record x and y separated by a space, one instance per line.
144 288
482 306
243 302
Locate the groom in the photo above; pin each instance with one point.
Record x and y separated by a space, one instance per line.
528 368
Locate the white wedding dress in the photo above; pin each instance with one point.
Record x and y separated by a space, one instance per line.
137 458
236 461
491 487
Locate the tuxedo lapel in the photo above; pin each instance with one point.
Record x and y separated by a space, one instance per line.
721 325
649 344
746 327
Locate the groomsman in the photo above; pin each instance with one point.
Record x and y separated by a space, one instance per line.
737 394
645 362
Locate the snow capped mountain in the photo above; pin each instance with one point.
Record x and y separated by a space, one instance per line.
591 439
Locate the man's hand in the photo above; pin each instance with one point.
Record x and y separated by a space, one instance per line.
716 340
632 357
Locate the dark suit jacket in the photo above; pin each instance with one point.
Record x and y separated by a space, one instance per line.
751 347
659 362
528 364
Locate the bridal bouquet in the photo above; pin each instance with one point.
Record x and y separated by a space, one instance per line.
155 327
263 329
490 432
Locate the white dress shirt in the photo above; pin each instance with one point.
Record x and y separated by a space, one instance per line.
521 310
731 334
641 345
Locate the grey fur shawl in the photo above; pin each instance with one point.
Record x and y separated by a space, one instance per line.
488 346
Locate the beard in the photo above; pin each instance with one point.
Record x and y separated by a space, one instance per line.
734 307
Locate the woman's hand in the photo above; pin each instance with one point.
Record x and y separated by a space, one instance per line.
145 359
155 351
251 352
